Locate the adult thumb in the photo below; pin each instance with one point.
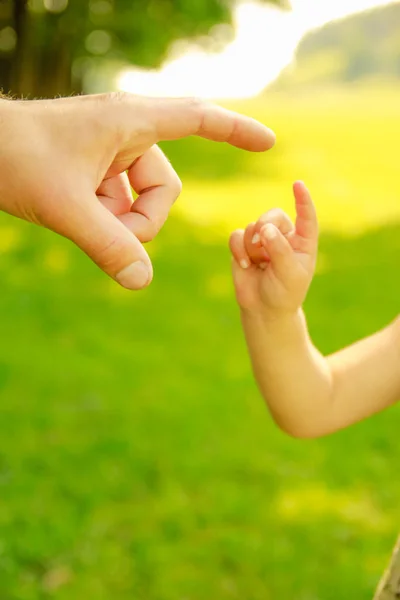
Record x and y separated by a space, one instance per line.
97 232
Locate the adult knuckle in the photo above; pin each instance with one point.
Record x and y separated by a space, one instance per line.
129 112
114 97
175 185
196 103
154 227
151 229
198 106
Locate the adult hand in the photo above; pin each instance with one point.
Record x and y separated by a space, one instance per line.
69 165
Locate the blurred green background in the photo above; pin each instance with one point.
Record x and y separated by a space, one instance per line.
137 460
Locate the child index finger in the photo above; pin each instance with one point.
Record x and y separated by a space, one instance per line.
306 221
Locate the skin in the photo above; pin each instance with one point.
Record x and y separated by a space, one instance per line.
69 165
308 395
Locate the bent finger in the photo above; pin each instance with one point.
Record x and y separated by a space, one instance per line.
155 180
115 194
278 218
256 252
280 252
238 249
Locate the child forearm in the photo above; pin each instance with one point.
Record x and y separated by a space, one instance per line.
366 376
309 395
290 372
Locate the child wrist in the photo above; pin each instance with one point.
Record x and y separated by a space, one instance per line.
271 317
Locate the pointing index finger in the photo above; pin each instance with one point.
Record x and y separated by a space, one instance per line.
306 222
182 117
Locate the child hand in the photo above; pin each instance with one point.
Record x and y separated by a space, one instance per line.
274 261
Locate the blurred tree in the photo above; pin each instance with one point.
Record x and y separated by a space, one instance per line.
46 46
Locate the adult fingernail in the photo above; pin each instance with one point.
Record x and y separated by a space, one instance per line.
256 238
244 264
135 276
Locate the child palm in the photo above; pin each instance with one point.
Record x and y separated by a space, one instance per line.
274 260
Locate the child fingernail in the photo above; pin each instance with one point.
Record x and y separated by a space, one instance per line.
256 238
244 264
263 265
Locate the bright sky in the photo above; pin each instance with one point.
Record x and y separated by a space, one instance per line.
264 44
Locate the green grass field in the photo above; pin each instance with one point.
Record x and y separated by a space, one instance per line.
137 460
